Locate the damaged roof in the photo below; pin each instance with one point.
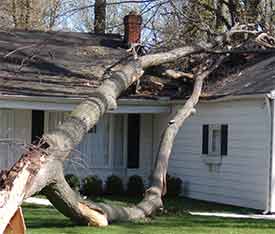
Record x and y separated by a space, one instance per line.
253 77
71 65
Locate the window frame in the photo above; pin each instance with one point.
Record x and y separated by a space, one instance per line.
210 156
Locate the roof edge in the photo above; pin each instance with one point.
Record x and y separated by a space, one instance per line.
137 102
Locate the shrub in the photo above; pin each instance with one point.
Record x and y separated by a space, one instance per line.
135 186
92 186
173 186
114 186
73 181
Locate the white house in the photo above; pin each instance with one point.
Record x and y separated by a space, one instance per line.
224 153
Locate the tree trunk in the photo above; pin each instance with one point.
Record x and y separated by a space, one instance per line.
252 11
64 199
174 125
40 166
100 16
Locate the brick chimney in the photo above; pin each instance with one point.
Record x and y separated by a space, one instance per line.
132 27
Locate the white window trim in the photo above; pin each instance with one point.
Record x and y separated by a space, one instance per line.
212 128
213 158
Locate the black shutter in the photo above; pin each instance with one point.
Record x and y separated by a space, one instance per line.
205 137
224 139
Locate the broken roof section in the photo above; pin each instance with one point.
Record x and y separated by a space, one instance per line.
242 75
71 65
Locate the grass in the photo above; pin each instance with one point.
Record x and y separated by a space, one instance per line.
174 220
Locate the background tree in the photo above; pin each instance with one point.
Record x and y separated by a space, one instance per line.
30 14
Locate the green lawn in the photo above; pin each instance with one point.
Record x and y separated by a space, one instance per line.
174 220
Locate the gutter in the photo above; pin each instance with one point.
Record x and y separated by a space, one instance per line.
161 101
270 101
75 101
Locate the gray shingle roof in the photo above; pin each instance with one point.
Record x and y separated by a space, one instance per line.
70 64
255 79
63 64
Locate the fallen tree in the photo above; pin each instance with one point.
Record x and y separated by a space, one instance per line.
42 165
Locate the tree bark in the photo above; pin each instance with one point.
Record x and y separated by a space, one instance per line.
100 16
40 166
252 11
63 198
174 125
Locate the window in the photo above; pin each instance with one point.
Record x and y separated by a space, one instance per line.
215 139
133 141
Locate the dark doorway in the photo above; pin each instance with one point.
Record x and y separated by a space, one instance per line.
133 140
37 125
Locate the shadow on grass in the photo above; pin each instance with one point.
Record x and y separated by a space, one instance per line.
45 218
175 219
37 217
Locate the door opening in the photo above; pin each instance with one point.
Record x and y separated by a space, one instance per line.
133 141
37 125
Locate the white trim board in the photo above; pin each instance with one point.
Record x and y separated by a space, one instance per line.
52 106
234 215
124 105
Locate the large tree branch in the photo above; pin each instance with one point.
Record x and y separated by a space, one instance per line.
70 203
176 122
97 214
153 197
36 168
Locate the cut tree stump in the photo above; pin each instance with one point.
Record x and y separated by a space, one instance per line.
17 224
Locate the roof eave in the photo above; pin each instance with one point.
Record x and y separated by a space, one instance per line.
69 102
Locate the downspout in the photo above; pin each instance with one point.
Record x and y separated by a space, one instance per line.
153 151
269 98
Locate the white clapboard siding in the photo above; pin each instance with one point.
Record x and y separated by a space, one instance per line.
118 141
92 156
160 122
6 129
146 144
242 178
15 134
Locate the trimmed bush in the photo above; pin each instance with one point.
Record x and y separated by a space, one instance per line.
73 181
114 186
173 186
135 186
92 186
